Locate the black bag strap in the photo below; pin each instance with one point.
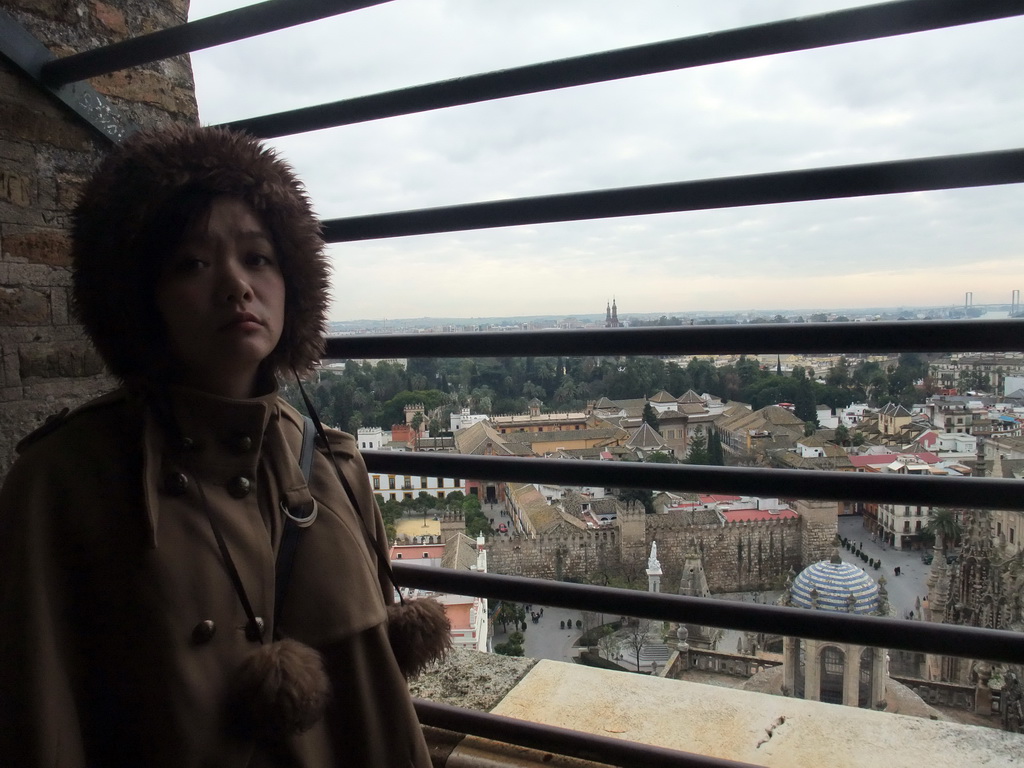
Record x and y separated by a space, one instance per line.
290 535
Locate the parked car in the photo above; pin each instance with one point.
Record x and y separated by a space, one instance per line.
952 555
927 557
502 528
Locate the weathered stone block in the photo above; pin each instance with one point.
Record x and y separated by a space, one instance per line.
34 125
15 189
69 187
23 306
58 360
36 275
110 18
43 247
143 87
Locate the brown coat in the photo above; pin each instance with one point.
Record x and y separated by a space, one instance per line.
109 568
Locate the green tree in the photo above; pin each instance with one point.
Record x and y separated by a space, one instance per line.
510 613
477 523
659 457
842 435
698 450
971 381
716 455
839 374
804 404
945 523
513 647
454 500
638 495
650 417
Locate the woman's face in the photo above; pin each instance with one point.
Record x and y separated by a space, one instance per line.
221 295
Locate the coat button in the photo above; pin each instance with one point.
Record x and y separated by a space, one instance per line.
240 443
175 483
187 444
254 632
239 487
203 632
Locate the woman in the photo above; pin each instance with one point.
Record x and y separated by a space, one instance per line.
159 607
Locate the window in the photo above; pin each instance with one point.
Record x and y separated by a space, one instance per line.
391 483
440 494
426 554
376 482
440 482
423 482
407 496
1011 535
906 526
833 659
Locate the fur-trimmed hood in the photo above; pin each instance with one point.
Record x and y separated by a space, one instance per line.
123 216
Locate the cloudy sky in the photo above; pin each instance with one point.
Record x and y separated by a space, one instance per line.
934 93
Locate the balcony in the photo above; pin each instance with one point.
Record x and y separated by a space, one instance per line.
628 719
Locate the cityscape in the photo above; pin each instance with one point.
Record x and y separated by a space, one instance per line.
949 415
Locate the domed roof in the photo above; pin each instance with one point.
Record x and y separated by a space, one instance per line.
833 583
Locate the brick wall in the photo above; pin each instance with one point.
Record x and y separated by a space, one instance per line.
46 152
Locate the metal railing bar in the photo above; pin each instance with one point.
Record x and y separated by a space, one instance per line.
804 33
21 48
562 741
222 28
822 338
875 631
958 492
884 178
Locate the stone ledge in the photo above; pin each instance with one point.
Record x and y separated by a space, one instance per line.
720 722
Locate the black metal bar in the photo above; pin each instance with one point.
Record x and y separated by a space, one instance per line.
926 637
826 29
25 52
562 741
887 178
965 492
223 28
823 338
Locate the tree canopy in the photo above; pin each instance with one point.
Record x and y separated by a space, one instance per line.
365 395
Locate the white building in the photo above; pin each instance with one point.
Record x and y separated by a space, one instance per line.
402 487
464 419
371 438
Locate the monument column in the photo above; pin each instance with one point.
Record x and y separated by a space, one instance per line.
653 570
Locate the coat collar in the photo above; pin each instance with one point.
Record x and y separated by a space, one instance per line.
213 434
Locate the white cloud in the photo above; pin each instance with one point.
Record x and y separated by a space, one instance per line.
932 93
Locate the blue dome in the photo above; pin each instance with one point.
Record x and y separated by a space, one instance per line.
835 582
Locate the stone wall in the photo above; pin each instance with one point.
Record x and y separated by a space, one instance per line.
737 557
46 152
820 521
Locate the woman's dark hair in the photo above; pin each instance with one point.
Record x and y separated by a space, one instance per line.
141 202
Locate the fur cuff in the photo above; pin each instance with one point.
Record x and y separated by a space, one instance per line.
419 632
